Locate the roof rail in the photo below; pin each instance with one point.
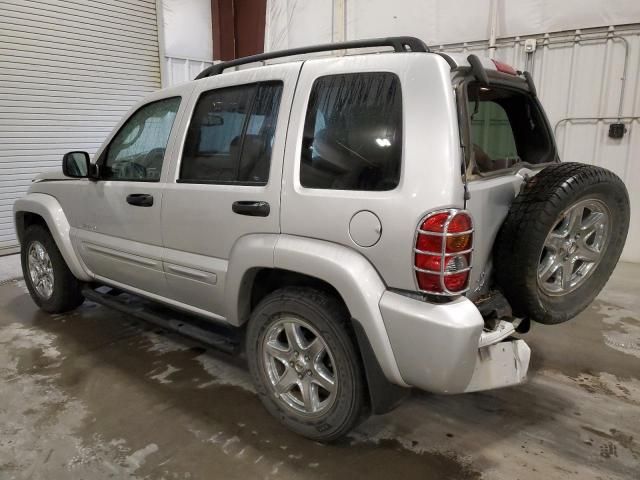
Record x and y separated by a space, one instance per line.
399 44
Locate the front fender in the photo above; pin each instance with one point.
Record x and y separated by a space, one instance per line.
50 210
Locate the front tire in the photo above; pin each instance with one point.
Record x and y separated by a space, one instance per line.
304 363
50 282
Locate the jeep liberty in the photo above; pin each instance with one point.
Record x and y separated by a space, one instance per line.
359 223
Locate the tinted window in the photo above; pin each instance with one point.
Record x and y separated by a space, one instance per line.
493 144
506 128
137 151
231 135
353 133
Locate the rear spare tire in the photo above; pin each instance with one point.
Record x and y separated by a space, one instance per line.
561 240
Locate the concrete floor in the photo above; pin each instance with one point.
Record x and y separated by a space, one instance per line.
96 395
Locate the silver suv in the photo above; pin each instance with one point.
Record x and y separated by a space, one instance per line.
360 224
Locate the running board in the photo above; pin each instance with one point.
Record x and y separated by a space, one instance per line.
219 337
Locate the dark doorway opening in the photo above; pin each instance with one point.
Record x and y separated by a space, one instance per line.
238 28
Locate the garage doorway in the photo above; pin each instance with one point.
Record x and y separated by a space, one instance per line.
238 28
68 72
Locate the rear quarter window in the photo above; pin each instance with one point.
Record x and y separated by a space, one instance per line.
352 136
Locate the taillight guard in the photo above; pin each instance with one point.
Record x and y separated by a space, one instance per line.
443 257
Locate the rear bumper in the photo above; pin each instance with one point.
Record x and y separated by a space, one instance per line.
436 346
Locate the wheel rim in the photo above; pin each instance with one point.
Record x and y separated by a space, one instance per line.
40 270
573 248
299 366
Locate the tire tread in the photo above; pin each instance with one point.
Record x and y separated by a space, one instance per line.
531 213
327 306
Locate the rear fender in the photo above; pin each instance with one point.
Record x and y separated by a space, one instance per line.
351 274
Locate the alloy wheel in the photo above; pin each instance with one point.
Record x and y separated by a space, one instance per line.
574 247
40 270
300 366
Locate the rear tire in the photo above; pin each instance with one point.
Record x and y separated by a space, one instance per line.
561 240
313 325
49 281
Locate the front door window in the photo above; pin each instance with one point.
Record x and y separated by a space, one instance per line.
136 153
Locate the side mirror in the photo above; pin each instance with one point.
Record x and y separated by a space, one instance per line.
76 165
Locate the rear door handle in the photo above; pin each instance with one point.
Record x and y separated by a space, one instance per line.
140 199
251 208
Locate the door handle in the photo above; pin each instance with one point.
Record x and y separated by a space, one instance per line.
251 208
140 200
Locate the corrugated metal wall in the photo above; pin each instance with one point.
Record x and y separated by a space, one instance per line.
586 79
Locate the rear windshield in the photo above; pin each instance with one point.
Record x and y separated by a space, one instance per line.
506 128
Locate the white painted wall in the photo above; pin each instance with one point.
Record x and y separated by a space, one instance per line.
180 70
293 23
187 29
186 39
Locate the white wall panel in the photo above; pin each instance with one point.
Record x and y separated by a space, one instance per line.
526 17
445 21
187 28
180 70
293 23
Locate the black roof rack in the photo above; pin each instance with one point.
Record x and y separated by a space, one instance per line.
399 44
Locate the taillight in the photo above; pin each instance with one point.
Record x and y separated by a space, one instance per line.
505 68
442 253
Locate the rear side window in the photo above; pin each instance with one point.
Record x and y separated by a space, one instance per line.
230 137
507 128
352 136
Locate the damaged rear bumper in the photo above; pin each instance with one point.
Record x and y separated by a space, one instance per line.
442 348
500 365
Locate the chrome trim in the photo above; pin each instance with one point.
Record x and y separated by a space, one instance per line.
446 274
426 252
444 294
447 234
452 212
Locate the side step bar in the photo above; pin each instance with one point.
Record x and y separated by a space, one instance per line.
218 337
